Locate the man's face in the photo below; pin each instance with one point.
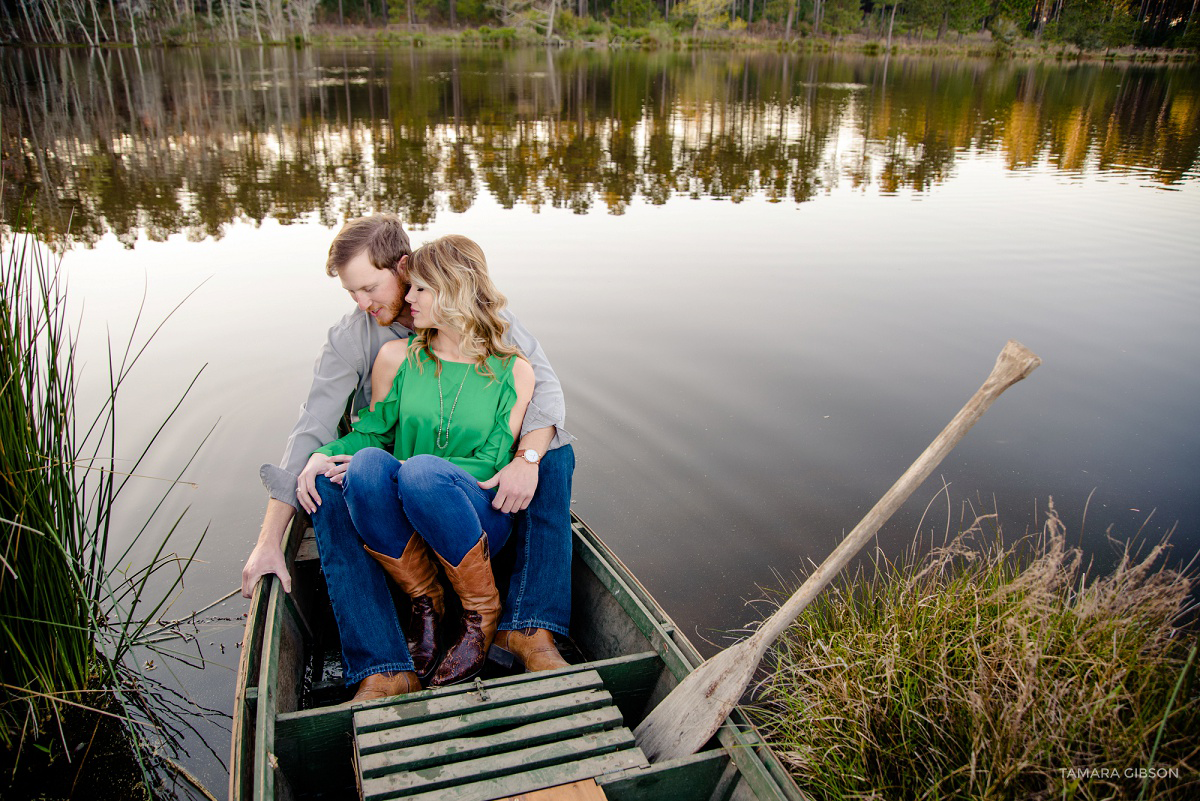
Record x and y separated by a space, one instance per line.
377 292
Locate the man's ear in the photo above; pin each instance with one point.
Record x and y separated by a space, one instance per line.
402 265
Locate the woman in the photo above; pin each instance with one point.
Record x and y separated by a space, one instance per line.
453 398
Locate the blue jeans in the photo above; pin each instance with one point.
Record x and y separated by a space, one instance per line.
388 501
539 592
372 640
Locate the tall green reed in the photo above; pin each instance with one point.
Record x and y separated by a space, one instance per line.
68 619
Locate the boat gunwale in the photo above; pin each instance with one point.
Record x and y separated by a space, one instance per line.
250 703
743 737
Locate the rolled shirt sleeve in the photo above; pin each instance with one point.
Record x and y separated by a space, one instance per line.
342 371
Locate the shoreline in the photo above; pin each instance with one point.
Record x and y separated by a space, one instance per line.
660 36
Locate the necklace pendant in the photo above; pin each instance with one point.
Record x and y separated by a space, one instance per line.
441 435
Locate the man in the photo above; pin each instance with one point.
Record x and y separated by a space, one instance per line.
368 256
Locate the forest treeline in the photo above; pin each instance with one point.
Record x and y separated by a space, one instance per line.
1087 24
146 145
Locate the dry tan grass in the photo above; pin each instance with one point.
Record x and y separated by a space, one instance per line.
987 672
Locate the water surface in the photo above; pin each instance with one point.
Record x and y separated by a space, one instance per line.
767 282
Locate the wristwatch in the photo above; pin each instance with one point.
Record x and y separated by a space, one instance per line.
530 455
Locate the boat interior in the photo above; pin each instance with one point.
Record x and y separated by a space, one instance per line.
502 735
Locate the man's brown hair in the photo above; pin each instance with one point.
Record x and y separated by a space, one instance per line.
380 235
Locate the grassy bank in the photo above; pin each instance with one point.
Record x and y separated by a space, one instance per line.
659 35
533 29
74 710
982 671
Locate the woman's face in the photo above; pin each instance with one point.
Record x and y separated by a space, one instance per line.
420 300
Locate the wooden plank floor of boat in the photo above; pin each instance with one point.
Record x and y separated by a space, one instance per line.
488 742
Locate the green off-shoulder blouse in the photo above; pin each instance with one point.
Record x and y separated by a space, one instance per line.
406 421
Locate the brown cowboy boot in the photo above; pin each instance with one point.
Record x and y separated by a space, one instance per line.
385 685
472 580
533 649
415 574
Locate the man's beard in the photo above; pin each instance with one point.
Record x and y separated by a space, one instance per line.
390 313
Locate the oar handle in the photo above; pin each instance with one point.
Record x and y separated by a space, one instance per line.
1014 363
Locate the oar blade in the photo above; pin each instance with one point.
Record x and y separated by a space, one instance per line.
692 712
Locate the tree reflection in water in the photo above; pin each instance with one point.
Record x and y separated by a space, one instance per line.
153 143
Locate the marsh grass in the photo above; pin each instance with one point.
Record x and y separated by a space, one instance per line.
982 671
69 620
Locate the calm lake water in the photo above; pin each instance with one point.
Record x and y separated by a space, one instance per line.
767 282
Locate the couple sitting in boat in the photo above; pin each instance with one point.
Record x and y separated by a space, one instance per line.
464 429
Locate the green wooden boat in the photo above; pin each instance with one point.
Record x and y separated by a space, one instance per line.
498 737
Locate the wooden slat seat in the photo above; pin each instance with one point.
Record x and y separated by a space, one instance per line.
489 742
307 552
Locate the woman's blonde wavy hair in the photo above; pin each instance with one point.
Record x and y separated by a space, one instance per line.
454 269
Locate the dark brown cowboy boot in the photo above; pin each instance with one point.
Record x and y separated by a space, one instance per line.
472 580
415 574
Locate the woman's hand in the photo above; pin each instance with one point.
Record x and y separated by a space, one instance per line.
306 483
337 468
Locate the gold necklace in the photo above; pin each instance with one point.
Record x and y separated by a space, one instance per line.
442 438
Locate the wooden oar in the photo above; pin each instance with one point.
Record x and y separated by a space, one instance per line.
694 710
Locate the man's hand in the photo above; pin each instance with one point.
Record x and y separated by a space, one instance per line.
265 558
517 481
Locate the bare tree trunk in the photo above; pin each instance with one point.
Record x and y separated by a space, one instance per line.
816 17
96 29
1188 27
550 27
454 13
12 26
234 9
750 15
791 17
257 25
891 22
56 23
28 22
91 42
132 25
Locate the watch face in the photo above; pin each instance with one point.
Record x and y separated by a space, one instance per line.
531 456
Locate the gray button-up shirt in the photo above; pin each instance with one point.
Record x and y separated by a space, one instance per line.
343 369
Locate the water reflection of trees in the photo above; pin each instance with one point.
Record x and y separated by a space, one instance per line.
153 143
